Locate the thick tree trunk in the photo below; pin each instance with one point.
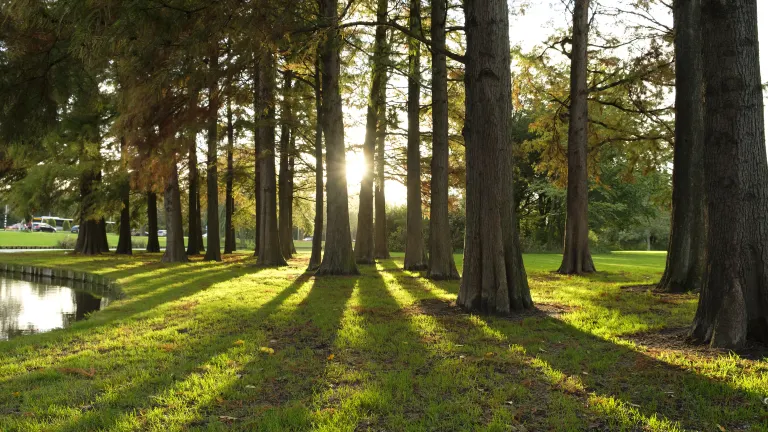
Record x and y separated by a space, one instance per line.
124 246
576 256
153 243
258 117
92 235
380 235
229 229
494 279
339 258
285 202
213 246
415 252
193 245
174 242
733 305
364 240
317 235
687 254
441 262
270 253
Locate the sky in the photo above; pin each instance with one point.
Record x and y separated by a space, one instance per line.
528 30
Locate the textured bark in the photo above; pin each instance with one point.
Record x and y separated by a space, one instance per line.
193 241
153 243
364 240
199 215
339 258
380 239
494 279
415 252
317 235
174 244
270 253
292 171
285 202
576 256
258 115
687 253
733 305
229 229
92 234
213 246
124 246
441 262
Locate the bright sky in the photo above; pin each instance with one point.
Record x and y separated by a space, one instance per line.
527 30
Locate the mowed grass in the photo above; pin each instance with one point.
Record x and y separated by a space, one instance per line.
231 346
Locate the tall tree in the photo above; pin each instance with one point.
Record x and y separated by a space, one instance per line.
494 278
285 202
576 256
733 305
317 235
229 229
153 243
381 248
259 109
124 246
213 248
364 240
687 252
193 207
415 252
339 258
92 234
174 243
441 262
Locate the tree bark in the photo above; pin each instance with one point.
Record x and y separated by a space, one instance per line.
494 279
174 243
317 235
213 246
153 243
364 240
124 246
380 236
270 253
91 236
733 305
229 229
576 256
415 252
687 253
285 225
339 258
441 262
193 245
258 115
199 214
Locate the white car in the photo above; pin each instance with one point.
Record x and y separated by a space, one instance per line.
307 238
162 233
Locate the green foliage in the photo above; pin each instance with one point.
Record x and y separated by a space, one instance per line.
66 226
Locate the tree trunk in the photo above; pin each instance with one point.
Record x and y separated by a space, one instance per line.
124 246
317 235
258 116
229 229
339 258
380 236
199 214
285 202
494 279
364 240
292 172
687 254
153 243
576 256
733 305
213 247
193 245
270 253
441 262
91 237
174 242
415 252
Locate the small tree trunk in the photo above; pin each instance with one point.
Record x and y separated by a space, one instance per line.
124 246
441 262
153 243
193 247
213 247
229 229
494 278
174 246
291 173
317 235
576 256
339 258
285 224
199 214
258 116
687 254
733 305
415 252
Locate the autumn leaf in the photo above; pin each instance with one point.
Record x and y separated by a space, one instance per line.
331 356
267 350
489 354
239 342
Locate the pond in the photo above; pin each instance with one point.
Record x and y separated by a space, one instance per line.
35 305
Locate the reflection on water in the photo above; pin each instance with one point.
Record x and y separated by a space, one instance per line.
35 306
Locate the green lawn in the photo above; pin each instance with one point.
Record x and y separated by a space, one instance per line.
230 346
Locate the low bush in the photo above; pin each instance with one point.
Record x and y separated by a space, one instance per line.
67 242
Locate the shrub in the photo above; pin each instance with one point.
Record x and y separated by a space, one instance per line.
138 243
66 226
67 242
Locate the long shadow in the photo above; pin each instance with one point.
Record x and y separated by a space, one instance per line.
624 389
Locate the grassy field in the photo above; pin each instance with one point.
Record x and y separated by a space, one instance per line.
230 346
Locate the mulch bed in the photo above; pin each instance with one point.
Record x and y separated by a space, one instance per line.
676 340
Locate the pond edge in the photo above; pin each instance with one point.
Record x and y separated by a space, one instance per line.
96 283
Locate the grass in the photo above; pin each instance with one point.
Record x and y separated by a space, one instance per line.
230 346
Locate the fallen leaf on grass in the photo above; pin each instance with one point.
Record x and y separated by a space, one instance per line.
250 386
239 342
78 371
331 356
228 418
489 355
267 350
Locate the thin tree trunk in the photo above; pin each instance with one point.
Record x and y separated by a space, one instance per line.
229 229
339 258
415 252
153 243
124 246
291 173
193 247
213 247
174 243
687 254
733 305
494 278
285 225
317 235
380 236
441 262
258 116
364 240
576 256
199 214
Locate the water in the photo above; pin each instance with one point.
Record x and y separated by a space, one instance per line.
40 305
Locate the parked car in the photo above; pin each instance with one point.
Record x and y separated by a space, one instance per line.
307 238
75 229
16 227
162 233
42 227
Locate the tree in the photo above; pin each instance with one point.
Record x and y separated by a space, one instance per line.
258 107
687 251
153 243
576 256
339 258
285 225
213 248
174 243
229 229
317 235
441 263
193 206
733 305
124 246
381 248
494 279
